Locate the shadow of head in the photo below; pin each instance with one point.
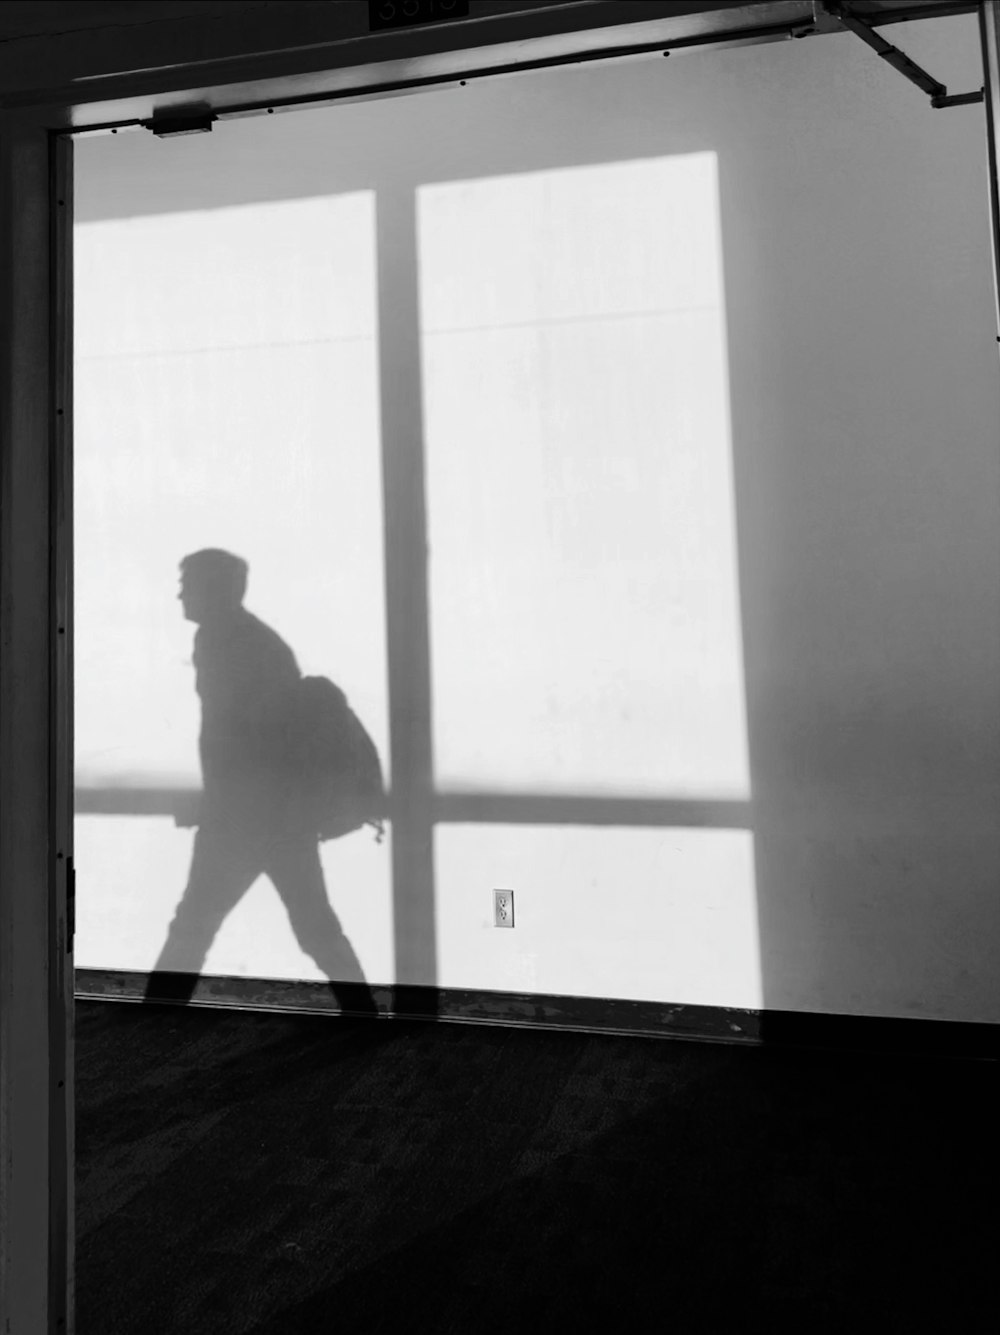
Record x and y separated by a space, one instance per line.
213 585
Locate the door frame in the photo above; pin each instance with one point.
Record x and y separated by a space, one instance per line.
36 796
247 62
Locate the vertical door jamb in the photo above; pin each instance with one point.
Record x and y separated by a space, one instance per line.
62 1212
36 963
989 36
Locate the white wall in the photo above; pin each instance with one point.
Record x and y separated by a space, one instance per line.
830 582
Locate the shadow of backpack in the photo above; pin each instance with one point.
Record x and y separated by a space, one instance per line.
337 762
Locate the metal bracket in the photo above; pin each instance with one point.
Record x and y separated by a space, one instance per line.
937 92
182 121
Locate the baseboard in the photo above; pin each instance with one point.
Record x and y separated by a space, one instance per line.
705 1024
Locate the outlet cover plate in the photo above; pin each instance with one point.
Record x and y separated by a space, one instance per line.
503 908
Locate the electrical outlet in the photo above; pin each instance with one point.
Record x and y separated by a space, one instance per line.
503 908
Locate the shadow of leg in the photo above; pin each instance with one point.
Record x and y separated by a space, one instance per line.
297 874
166 985
355 998
224 864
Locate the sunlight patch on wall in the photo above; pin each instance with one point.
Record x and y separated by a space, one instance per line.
650 914
226 396
133 869
585 615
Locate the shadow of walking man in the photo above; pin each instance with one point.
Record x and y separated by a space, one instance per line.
253 816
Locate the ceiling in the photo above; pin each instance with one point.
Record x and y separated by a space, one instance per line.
37 18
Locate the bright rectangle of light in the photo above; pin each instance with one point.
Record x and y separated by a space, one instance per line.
585 616
226 396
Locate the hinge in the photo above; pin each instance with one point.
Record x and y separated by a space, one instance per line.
70 904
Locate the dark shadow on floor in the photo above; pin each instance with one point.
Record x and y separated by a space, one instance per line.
274 1174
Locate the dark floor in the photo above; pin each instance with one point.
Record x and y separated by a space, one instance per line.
243 1172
